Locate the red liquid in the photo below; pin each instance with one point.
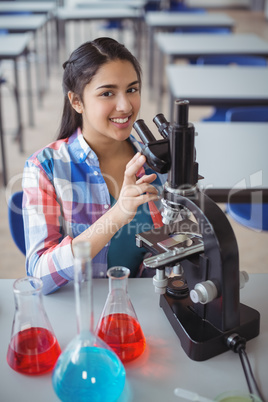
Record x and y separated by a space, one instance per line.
33 351
123 334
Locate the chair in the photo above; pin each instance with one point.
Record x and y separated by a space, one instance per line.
219 113
248 113
252 215
16 221
232 59
175 6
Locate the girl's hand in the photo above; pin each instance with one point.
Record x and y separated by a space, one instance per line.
134 192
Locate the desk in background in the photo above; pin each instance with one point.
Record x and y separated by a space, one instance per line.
180 46
217 85
46 8
164 365
12 48
218 3
35 24
65 15
136 4
166 21
34 7
232 157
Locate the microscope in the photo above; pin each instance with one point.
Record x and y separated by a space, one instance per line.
202 298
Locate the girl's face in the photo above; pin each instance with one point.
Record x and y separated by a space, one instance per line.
111 102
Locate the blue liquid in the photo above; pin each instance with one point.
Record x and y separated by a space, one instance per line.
88 374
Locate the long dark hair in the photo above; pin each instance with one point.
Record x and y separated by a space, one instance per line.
79 70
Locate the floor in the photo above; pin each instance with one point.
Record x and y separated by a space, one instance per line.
252 245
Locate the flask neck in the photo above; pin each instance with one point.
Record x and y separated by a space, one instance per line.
83 294
29 308
28 305
118 279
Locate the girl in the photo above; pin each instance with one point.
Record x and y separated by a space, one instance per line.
92 183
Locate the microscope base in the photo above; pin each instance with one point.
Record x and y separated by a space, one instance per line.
200 339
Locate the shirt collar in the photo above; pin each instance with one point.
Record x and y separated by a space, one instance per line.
82 150
80 147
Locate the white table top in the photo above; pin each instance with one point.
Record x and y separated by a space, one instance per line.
214 85
218 3
14 45
35 7
164 365
188 45
22 22
110 3
67 13
158 19
232 155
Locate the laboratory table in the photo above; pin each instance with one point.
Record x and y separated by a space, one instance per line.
232 158
226 86
166 22
163 366
174 46
67 14
12 48
35 24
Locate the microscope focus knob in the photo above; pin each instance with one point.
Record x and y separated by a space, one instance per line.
160 281
204 292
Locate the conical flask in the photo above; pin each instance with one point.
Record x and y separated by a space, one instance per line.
118 325
87 370
33 348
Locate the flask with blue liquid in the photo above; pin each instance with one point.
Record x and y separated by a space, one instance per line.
88 369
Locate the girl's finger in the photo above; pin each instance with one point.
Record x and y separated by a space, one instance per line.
135 157
147 178
133 166
136 190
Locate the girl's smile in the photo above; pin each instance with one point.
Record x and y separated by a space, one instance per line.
121 122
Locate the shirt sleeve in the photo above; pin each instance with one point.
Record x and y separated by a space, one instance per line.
48 252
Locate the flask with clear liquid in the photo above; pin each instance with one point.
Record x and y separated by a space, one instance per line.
33 348
88 369
118 325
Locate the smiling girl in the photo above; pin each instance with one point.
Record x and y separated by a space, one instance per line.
92 183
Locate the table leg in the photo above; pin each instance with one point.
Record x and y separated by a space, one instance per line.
54 44
161 76
151 59
2 145
139 38
159 83
29 90
171 107
120 31
38 72
17 96
47 50
61 29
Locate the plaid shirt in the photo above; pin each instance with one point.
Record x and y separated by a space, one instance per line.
64 193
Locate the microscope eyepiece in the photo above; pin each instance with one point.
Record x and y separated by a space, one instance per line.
162 124
181 112
143 131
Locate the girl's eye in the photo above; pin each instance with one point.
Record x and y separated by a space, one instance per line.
132 90
106 94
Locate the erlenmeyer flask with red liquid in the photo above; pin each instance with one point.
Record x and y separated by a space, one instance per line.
33 348
118 325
